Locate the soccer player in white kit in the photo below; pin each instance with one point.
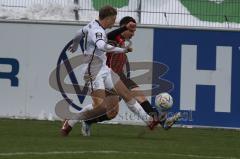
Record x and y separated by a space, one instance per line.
98 74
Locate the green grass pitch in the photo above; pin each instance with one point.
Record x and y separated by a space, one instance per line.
32 139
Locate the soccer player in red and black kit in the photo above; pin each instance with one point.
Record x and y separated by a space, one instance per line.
117 63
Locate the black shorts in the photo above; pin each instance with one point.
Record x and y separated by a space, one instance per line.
130 84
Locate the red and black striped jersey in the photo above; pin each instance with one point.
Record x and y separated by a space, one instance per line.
117 61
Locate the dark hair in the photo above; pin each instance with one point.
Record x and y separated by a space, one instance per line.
107 11
126 20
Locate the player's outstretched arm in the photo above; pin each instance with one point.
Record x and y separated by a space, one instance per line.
102 45
76 40
112 35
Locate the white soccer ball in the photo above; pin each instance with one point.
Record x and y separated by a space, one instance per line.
164 101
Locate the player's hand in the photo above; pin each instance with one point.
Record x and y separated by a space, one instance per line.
131 26
128 49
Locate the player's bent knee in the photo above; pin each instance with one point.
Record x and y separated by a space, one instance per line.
98 97
100 103
140 99
112 114
112 111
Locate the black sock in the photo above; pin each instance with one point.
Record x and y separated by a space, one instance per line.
98 119
149 109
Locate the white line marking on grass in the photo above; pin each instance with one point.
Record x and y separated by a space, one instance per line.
55 153
202 156
111 152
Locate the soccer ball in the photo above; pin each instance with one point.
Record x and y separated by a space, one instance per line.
164 101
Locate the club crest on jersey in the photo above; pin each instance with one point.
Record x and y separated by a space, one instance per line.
99 35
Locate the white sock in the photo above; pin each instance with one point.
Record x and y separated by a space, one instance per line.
136 108
84 109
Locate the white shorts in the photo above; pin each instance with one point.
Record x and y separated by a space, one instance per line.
105 79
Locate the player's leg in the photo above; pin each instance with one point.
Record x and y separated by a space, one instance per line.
111 111
132 104
158 116
112 102
112 106
148 108
162 118
98 97
68 124
96 109
141 99
113 81
138 95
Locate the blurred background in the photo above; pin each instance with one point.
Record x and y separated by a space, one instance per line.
208 13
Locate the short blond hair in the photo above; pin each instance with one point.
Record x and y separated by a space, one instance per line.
107 11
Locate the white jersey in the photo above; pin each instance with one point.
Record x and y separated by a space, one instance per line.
95 45
95 41
93 32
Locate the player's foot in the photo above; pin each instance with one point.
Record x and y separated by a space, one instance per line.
86 129
66 128
153 124
159 119
171 121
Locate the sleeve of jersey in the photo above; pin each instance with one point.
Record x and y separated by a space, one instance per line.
102 45
80 34
111 35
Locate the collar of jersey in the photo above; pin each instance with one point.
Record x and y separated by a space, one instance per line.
99 24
